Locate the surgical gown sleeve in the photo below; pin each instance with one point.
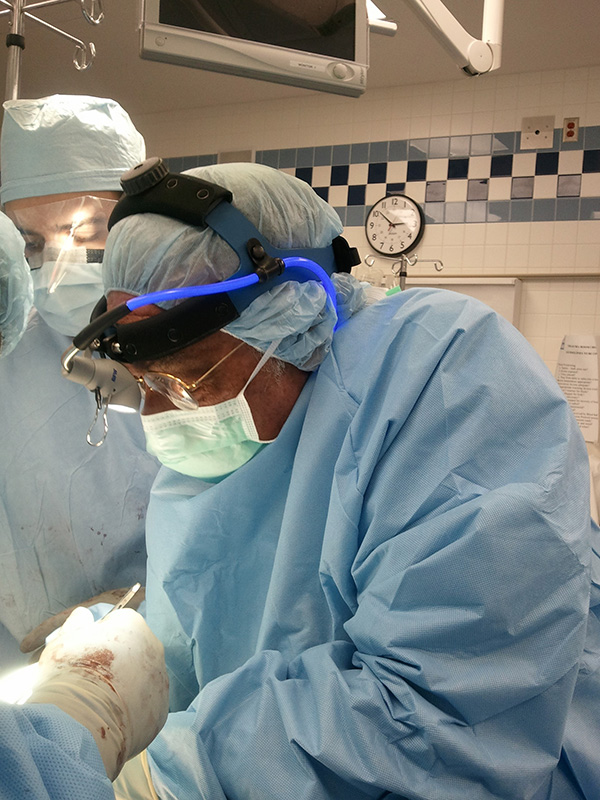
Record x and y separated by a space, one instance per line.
46 755
453 563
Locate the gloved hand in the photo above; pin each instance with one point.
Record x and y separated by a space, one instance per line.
110 676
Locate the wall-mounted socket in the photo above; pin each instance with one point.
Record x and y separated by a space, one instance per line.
570 129
537 133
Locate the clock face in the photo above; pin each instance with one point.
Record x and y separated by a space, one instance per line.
394 225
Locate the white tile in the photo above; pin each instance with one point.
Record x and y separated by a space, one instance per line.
570 162
519 233
565 232
523 165
584 303
590 184
374 192
499 188
416 190
437 169
456 191
358 174
321 176
544 186
338 195
396 171
480 166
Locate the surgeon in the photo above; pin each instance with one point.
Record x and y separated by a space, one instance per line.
371 560
71 515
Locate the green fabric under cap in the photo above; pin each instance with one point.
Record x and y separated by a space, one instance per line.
66 143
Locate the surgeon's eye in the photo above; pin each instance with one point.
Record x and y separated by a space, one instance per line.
34 248
91 230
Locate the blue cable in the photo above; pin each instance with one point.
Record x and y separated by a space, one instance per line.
293 262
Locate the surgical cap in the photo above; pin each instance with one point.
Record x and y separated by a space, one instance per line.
66 143
16 291
148 253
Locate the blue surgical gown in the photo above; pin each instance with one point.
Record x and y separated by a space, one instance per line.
46 755
71 516
398 596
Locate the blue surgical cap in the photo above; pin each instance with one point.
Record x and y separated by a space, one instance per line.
148 253
66 143
16 290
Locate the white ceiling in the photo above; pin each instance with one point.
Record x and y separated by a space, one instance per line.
538 35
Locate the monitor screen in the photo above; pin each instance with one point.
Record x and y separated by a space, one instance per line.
315 44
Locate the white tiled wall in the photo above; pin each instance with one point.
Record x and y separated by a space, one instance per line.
559 262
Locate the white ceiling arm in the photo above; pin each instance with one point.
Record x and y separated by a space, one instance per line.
474 56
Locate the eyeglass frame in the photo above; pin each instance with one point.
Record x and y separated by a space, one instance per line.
189 402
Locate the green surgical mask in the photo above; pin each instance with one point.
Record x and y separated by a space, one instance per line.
208 442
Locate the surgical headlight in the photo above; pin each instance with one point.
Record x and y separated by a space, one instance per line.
151 188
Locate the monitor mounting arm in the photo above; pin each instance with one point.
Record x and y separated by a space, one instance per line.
473 56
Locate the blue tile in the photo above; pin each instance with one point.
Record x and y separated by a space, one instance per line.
341 212
355 216
269 157
207 160
458 168
544 210
591 137
591 161
359 153
189 162
418 149
439 147
503 142
476 211
455 212
460 145
377 173
323 156
546 164
305 157
557 138
398 150
567 208
434 213
589 208
378 151
395 188
287 158
501 166
341 154
339 175
416 170
498 211
356 195
521 210
322 191
305 174
481 144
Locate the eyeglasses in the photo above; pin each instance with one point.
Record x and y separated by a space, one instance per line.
174 389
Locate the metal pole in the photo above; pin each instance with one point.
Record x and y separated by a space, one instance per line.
15 42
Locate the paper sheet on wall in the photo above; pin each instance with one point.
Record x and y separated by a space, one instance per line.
577 376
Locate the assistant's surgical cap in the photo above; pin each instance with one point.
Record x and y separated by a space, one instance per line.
16 290
66 143
147 253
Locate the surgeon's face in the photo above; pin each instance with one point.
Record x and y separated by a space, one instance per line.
58 221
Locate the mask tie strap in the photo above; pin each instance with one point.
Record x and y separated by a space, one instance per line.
265 357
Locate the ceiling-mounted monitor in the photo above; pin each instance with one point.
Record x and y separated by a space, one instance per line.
314 44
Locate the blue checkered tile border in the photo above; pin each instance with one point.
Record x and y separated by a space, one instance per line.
456 179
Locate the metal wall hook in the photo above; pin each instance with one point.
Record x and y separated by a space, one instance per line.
80 59
95 15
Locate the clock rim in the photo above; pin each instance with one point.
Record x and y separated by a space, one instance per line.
419 235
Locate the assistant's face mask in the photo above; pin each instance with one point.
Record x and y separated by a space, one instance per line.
208 442
64 246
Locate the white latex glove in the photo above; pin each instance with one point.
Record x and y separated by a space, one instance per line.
110 676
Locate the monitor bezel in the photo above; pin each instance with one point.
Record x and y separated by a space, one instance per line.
256 60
